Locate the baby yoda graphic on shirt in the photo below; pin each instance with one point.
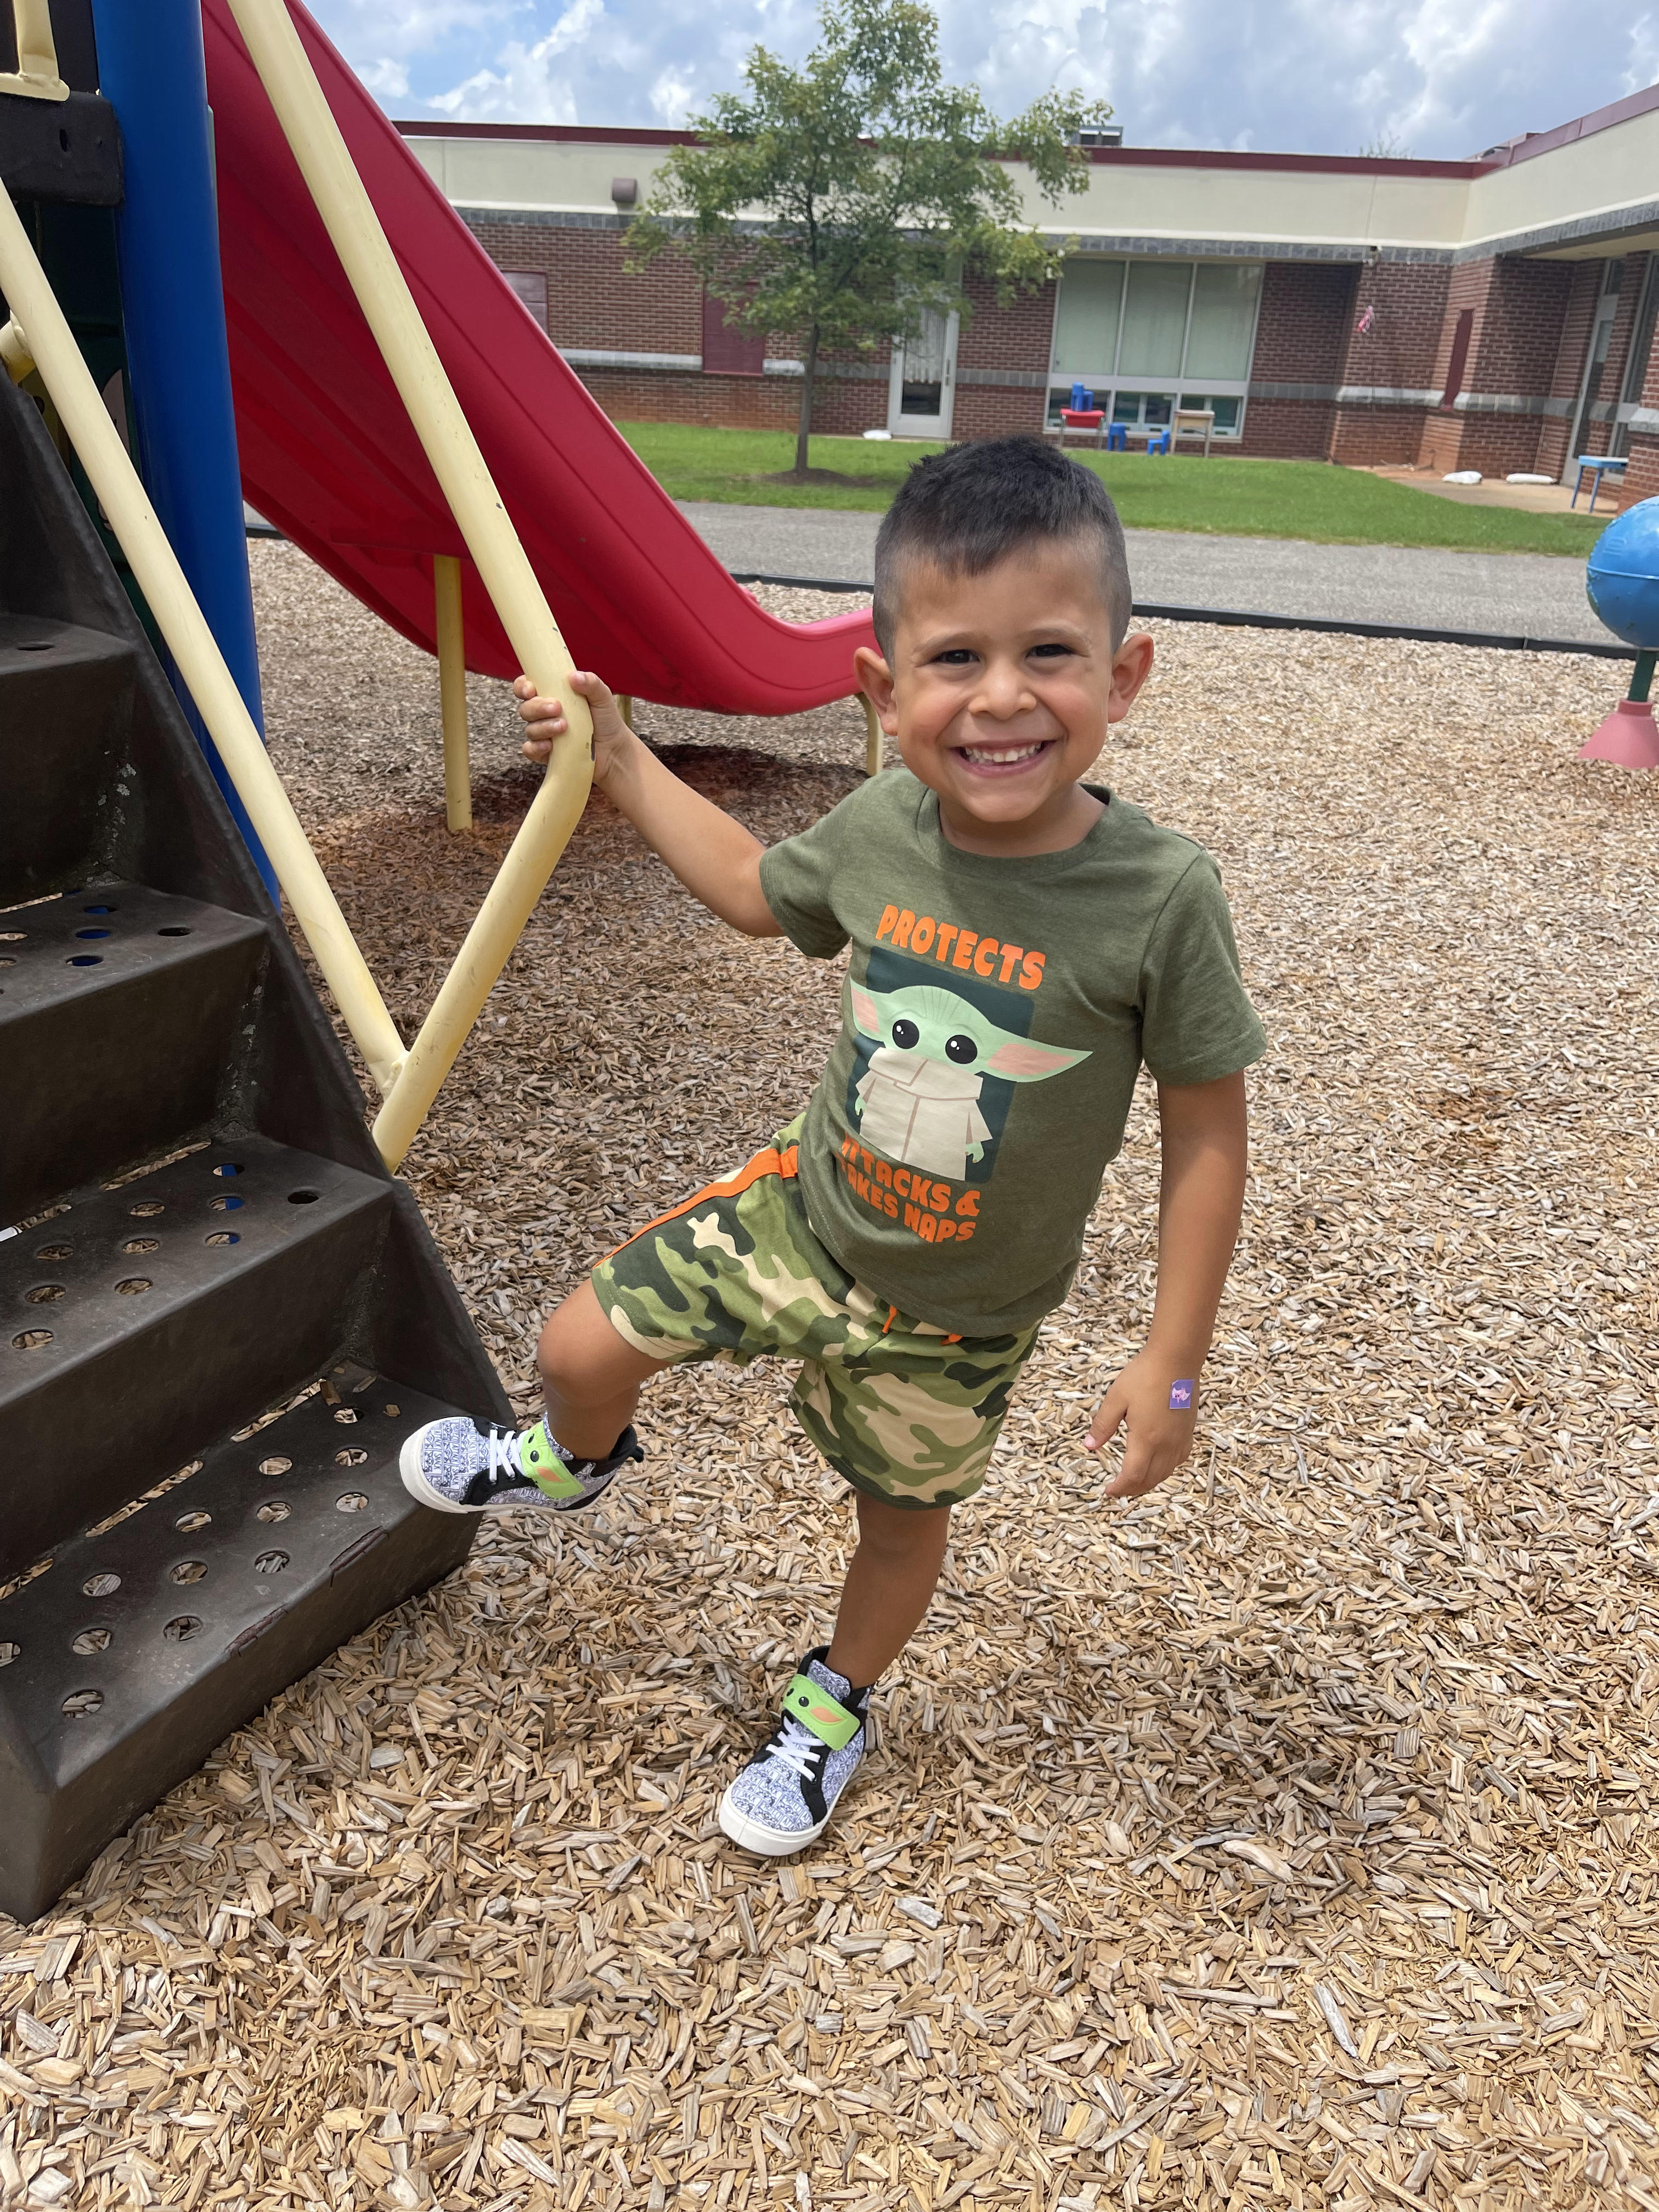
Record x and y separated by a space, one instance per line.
918 1102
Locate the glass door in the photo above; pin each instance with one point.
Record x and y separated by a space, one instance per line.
921 387
1636 366
1596 362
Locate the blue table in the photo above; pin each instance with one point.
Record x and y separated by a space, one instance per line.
1598 465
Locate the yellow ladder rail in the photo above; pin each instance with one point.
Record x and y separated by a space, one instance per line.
874 737
452 689
388 307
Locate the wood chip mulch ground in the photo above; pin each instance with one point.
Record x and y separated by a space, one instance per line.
1286 1839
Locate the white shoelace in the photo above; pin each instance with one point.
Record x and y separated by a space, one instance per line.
504 1454
794 1747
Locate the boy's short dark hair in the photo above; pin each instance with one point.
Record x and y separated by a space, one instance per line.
976 504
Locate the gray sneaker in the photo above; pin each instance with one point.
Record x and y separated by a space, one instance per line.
460 1465
783 1798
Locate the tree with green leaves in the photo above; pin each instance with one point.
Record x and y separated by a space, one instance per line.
842 199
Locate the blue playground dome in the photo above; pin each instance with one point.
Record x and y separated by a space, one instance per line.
1622 577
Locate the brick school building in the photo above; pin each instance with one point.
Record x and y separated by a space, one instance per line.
1496 314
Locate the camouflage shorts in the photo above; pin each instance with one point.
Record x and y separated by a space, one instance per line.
903 1411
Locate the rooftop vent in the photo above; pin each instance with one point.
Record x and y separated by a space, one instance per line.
1108 134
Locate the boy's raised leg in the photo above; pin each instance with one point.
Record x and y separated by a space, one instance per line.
590 1376
592 1379
784 1797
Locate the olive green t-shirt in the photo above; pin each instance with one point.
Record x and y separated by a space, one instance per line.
995 1015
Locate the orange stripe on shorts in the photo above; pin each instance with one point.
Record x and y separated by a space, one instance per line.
769 1162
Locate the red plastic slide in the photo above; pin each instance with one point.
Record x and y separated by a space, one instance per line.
329 456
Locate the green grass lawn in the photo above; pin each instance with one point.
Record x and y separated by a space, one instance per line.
1225 495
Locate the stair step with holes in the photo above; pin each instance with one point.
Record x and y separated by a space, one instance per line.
119 1012
143 1326
65 707
144 1644
135 1321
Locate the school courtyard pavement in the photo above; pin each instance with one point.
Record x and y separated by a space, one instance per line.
1534 594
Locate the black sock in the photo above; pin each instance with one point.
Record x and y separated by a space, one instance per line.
627 1446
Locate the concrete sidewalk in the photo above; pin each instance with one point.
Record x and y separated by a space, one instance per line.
1535 594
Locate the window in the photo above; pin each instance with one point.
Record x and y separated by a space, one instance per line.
1223 328
1086 329
1137 332
529 287
1153 408
727 350
1154 319
1223 405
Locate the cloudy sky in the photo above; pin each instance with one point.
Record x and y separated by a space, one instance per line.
1431 78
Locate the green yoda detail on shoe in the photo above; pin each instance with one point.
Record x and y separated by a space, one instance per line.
918 1101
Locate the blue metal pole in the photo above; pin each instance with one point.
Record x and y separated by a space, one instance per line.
151 69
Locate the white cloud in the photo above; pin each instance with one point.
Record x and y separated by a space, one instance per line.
367 31
672 98
1445 77
1643 68
527 87
387 80
392 43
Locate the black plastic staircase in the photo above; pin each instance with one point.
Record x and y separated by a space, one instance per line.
200 1236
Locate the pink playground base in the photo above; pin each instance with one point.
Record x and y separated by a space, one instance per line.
1627 737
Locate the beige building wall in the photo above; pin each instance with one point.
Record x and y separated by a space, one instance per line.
1258 206
1251 206
1602 176
551 175
1593 182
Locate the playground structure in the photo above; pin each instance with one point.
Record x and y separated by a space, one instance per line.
1622 580
214 1071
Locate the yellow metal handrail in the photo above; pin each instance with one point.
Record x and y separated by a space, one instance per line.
372 270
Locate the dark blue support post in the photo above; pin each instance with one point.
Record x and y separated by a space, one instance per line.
151 69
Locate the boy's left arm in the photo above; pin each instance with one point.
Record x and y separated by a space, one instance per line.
1202 1197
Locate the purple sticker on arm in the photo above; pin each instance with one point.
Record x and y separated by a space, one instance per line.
1181 1397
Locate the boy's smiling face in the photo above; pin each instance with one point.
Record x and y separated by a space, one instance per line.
1000 689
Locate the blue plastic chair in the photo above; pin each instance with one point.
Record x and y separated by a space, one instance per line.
1117 437
1159 443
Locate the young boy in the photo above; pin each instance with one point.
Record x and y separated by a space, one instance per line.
1021 941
